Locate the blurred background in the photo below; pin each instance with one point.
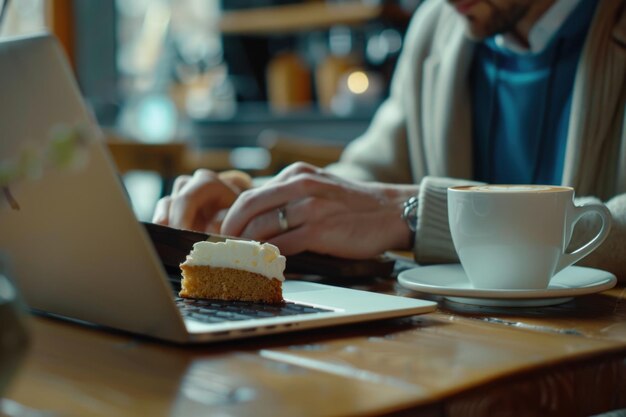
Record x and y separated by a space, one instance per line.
222 84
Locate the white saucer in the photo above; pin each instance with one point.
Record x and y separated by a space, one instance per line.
451 282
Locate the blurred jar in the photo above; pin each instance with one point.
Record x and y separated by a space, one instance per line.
288 83
328 74
13 336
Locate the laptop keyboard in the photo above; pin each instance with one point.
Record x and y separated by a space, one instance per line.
218 311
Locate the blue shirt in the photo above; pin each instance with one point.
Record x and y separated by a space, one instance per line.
521 105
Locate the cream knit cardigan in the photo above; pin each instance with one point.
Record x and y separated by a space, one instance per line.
422 132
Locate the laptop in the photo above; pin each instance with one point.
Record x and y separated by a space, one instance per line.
78 252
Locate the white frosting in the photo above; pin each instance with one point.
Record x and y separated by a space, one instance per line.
264 259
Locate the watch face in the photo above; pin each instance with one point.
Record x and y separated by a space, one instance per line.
409 213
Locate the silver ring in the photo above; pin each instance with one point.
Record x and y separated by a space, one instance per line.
282 219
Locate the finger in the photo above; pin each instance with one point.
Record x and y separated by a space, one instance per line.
294 241
199 201
233 179
263 226
214 226
299 168
253 202
182 180
212 202
236 178
297 213
161 211
319 238
313 238
293 170
179 183
268 224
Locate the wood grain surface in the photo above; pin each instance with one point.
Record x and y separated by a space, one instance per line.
463 360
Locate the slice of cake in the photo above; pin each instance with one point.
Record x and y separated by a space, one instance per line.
234 270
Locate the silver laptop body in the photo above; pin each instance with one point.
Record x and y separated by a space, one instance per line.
75 246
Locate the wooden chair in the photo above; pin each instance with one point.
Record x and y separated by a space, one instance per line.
168 160
164 159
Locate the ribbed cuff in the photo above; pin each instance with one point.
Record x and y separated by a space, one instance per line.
433 242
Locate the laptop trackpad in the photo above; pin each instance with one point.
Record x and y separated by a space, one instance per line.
290 287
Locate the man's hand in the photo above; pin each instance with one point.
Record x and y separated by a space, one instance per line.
322 213
199 202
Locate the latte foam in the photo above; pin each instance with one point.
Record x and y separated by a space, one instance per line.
512 188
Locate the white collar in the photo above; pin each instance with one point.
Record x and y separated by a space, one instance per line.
542 31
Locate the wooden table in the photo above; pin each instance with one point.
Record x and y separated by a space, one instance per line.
565 360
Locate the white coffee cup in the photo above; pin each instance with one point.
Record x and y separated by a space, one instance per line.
515 236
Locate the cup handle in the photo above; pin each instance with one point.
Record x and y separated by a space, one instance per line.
576 213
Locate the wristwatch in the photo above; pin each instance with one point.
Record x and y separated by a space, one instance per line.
409 214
